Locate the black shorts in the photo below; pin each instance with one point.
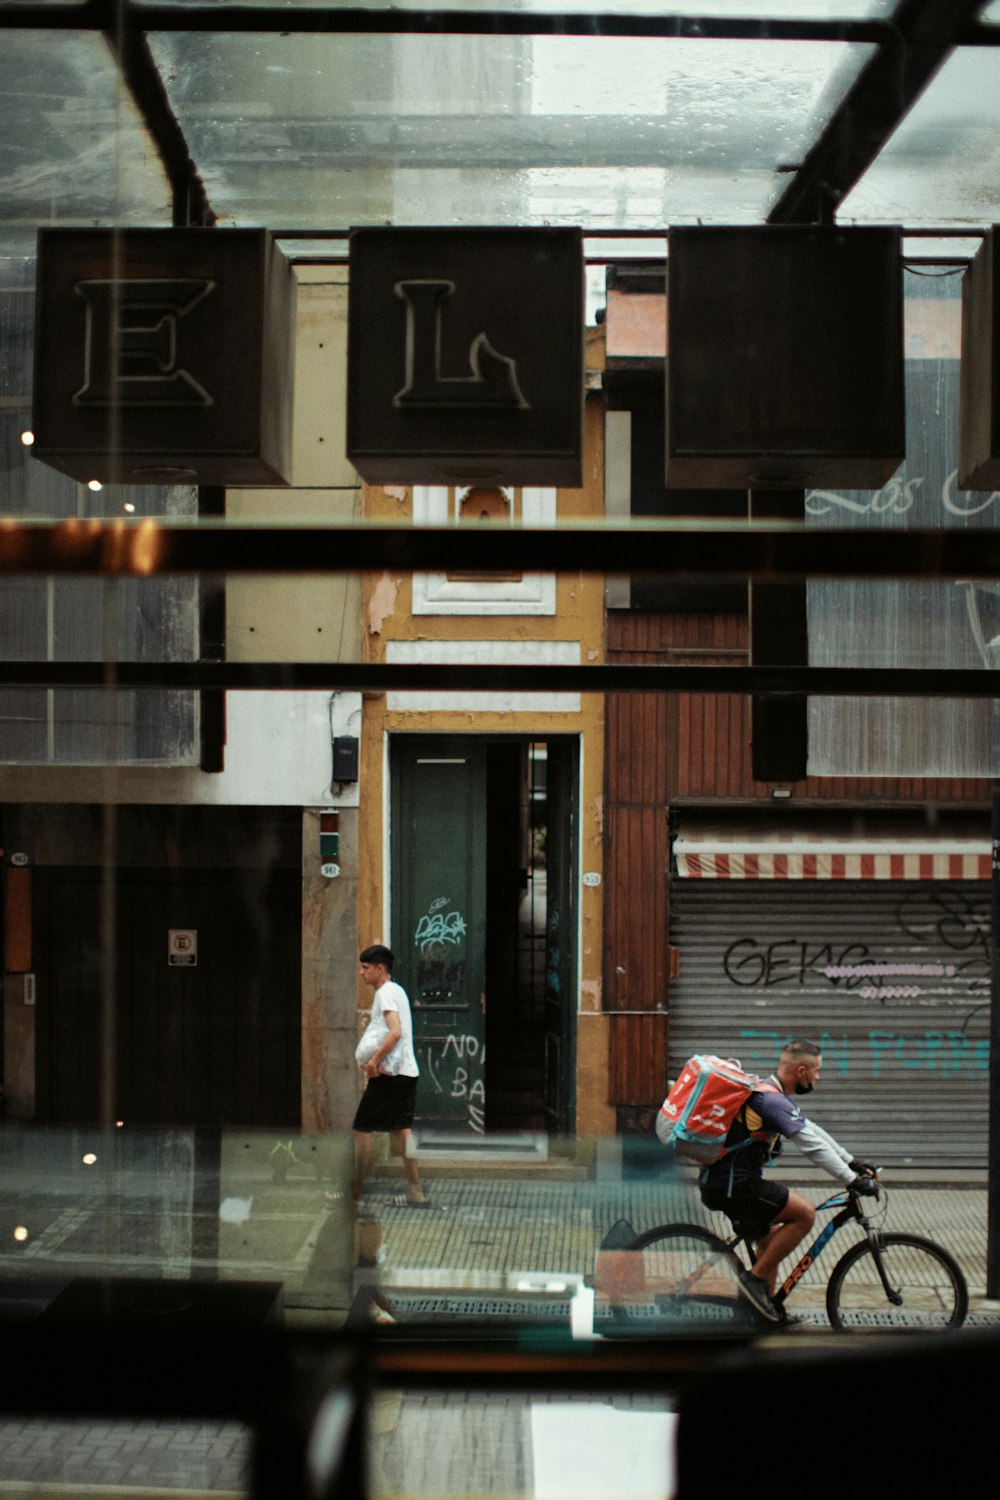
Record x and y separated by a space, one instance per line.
388 1103
755 1201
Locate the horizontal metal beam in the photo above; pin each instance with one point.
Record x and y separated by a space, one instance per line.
676 549
29 15
475 678
216 17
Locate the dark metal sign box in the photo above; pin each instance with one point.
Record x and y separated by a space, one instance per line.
465 356
785 357
164 356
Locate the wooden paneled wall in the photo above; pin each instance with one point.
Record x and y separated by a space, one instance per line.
709 741
636 865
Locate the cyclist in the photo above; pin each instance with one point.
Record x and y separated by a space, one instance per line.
735 1185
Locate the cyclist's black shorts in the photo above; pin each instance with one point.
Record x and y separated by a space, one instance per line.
753 1200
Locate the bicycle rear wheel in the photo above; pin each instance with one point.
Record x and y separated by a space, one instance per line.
684 1277
926 1279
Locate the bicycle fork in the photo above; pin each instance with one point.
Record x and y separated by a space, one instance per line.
873 1239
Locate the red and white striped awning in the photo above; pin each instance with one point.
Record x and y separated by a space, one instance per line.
704 854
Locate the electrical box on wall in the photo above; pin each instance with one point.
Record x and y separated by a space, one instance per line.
345 758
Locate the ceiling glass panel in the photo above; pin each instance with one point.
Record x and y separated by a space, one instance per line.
942 166
331 131
74 148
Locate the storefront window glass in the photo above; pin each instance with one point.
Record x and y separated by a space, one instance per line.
909 623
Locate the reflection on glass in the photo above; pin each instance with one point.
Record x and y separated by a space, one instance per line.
907 623
84 619
941 166
609 1242
267 1214
498 1245
75 148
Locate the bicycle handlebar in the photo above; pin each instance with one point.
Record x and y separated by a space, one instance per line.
855 1194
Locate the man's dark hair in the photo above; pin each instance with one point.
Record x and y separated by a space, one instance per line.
378 954
801 1048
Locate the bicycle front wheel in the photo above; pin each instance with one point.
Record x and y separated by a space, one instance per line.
685 1276
926 1287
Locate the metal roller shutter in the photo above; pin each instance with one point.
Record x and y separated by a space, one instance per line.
891 977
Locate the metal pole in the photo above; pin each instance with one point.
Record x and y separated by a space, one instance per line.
993 1169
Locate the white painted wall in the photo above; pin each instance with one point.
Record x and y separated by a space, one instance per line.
279 752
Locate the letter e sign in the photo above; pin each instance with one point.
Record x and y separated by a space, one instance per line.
465 356
164 356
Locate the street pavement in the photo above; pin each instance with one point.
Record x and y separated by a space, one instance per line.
480 1235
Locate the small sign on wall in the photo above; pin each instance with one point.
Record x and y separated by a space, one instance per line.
182 947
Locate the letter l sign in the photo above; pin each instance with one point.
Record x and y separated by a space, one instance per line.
493 381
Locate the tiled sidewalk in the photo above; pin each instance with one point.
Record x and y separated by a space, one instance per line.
480 1235
133 1455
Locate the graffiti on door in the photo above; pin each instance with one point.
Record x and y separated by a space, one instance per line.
455 1067
439 929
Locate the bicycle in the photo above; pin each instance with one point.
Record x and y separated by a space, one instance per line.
886 1280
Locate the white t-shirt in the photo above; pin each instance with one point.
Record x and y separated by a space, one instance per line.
402 1059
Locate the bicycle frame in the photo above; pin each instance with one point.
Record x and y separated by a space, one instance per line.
914 1274
850 1209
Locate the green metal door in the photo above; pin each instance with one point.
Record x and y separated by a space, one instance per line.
438 863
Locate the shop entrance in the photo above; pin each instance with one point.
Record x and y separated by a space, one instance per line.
484 879
215 1043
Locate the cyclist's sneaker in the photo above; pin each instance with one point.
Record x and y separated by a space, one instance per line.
755 1290
790 1320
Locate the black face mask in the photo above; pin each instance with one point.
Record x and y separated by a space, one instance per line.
803 1088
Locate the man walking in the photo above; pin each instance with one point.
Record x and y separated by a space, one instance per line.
735 1184
386 1057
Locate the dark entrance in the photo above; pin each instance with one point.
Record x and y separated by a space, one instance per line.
484 840
210 1043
